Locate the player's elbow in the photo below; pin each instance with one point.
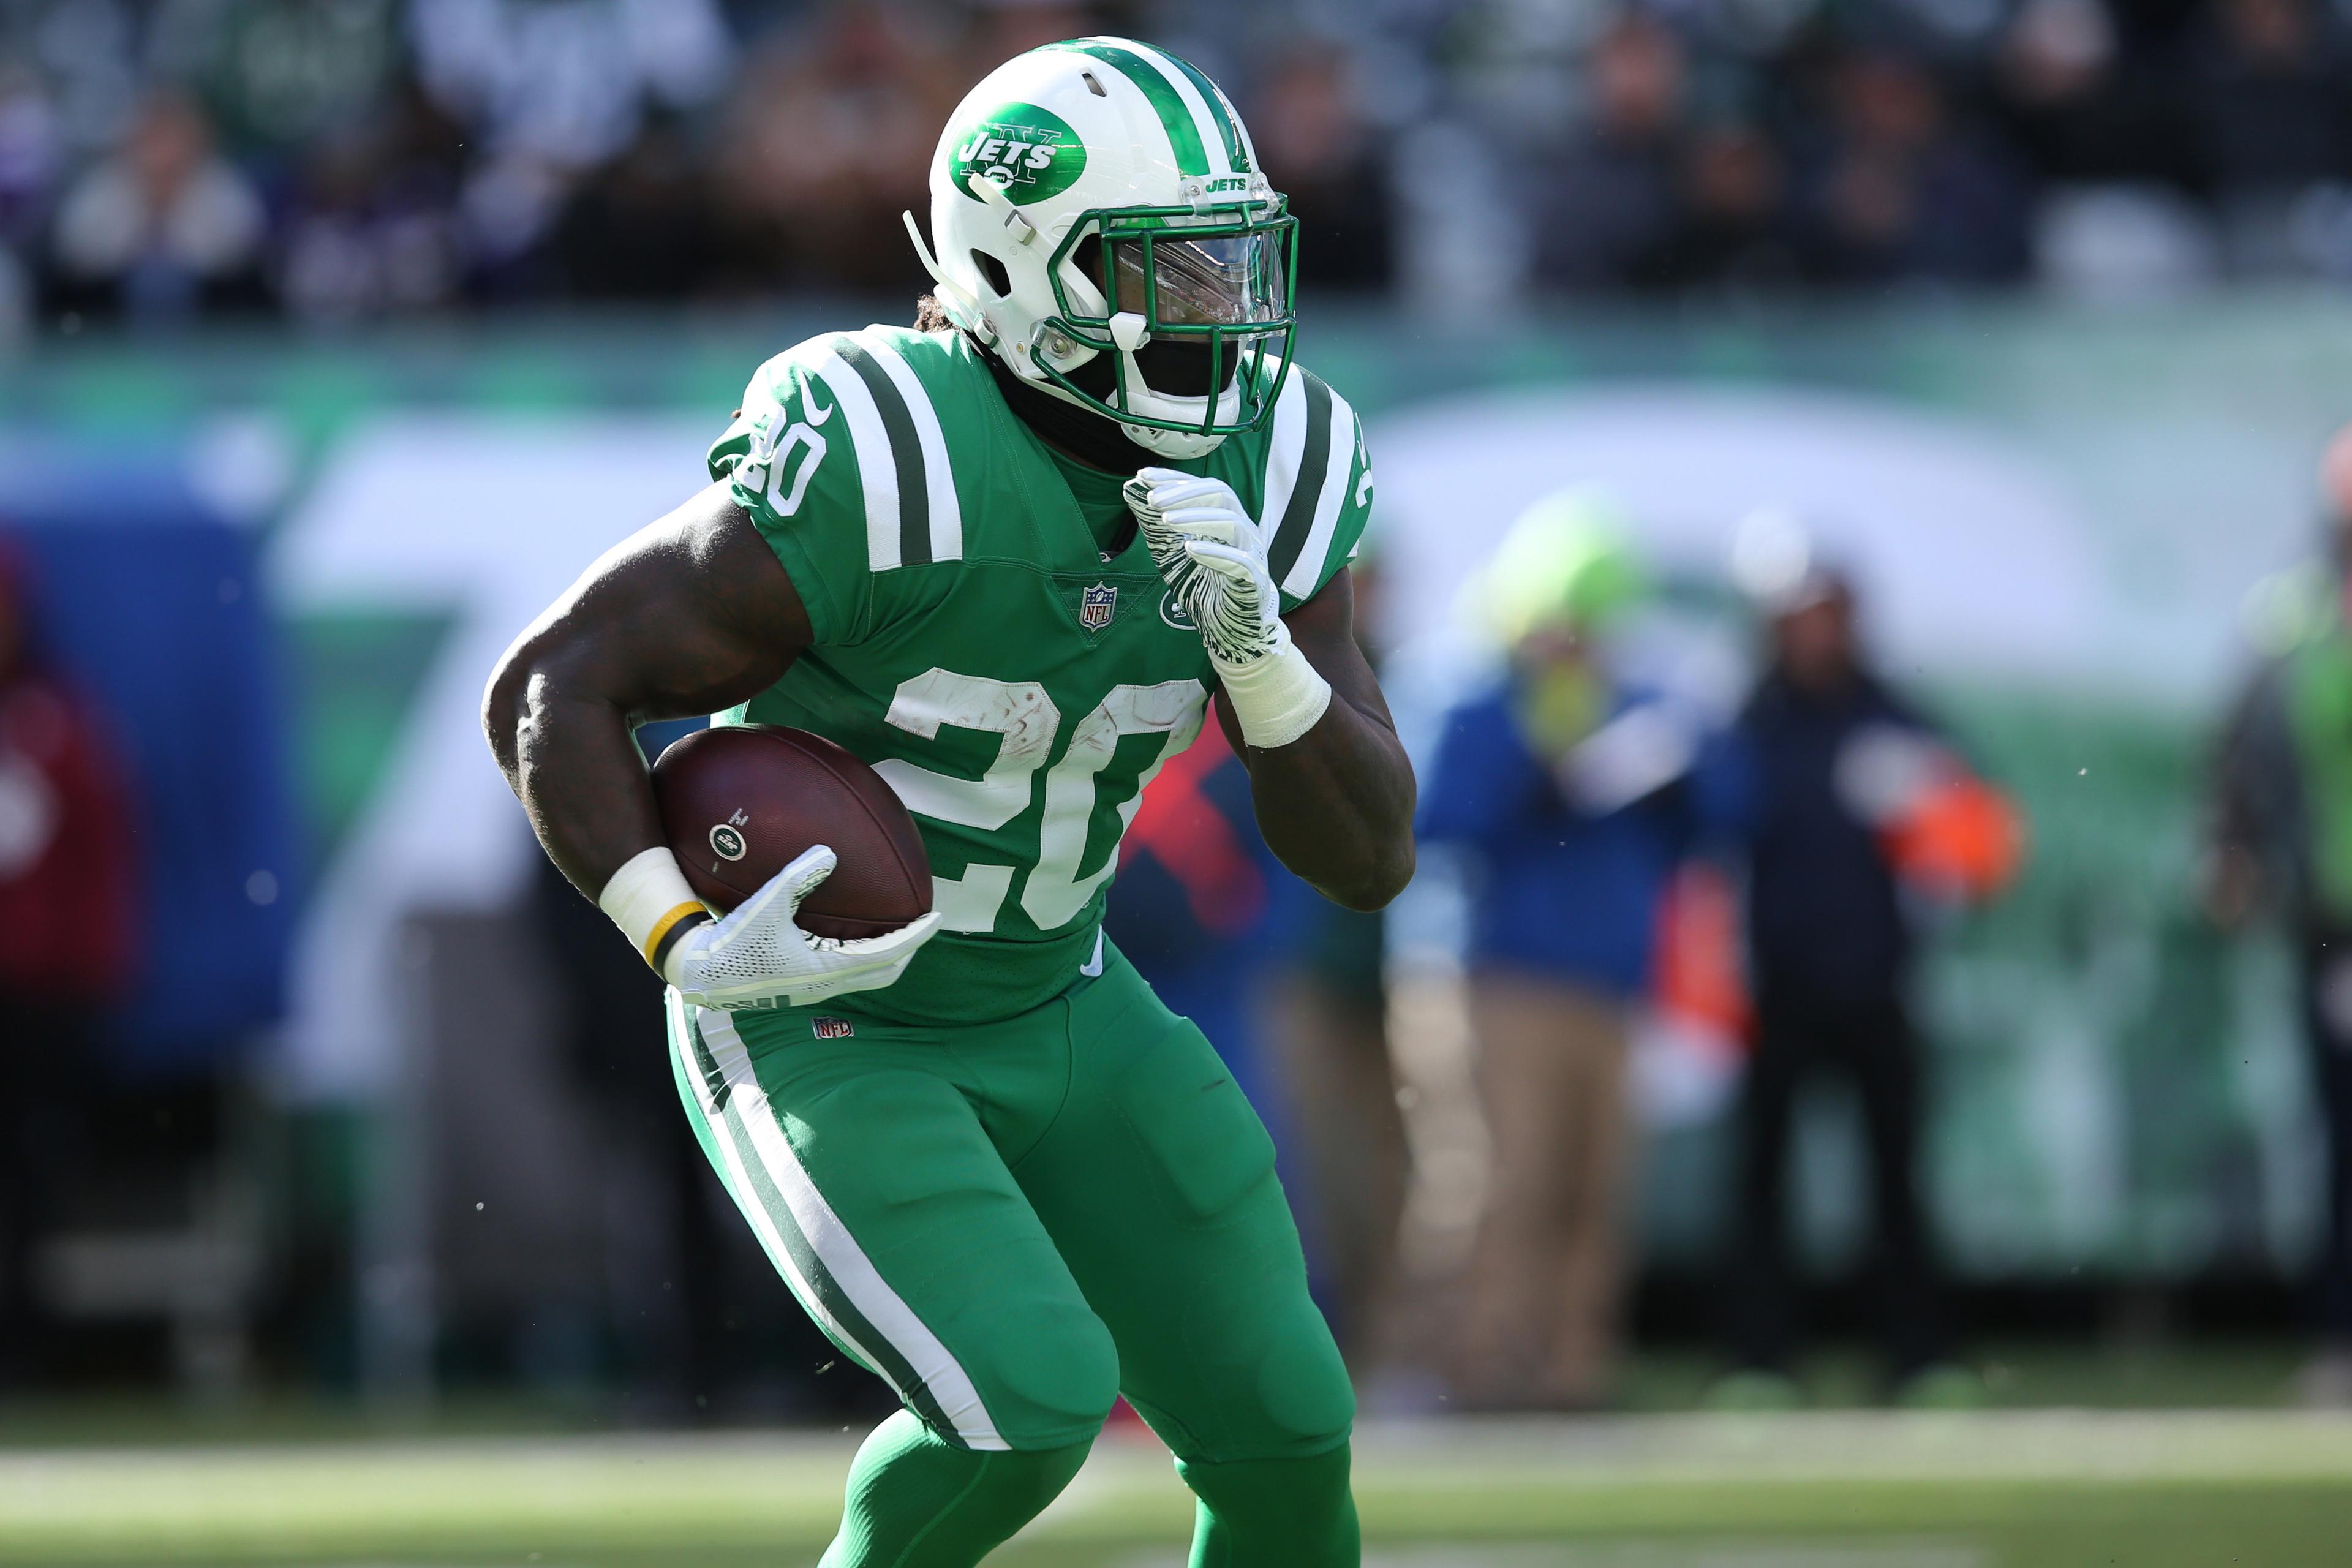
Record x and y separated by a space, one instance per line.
507 700
502 712
1379 877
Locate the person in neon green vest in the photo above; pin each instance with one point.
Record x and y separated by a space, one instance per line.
2281 844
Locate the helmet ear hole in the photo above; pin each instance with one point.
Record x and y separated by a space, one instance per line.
993 270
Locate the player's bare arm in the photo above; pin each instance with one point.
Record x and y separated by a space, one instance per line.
689 616
1335 805
1332 788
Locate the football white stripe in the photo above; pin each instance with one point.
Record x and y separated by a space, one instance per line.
939 479
1283 452
1307 570
877 472
852 1271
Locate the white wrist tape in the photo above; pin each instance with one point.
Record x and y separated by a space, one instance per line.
1278 697
648 899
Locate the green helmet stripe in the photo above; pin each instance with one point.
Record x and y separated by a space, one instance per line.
1175 117
1230 131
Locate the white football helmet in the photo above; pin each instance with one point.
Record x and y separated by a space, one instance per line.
1101 224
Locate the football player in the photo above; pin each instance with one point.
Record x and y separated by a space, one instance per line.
1012 558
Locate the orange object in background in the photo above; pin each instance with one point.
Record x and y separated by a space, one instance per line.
1700 980
1961 837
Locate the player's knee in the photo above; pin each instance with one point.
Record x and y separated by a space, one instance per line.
1306 1403
1051 1376
1298 1512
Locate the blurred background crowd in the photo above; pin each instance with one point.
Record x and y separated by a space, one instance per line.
326 160
1859 564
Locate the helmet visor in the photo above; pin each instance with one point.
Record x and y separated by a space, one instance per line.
1231 280
1213 290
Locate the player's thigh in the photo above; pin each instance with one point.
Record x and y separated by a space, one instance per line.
883 1202
1158 1185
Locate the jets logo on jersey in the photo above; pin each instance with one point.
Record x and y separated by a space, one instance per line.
1097 606
1030 153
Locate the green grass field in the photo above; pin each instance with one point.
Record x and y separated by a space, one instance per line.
1849 1490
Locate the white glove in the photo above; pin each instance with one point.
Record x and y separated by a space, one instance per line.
756 957
1213 554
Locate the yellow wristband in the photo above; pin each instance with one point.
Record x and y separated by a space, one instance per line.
667 930
649 900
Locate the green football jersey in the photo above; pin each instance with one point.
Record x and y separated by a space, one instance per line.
972 643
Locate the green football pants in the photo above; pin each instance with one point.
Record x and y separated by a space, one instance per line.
1011 1224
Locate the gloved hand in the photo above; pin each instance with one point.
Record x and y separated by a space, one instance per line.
756 957
1213 554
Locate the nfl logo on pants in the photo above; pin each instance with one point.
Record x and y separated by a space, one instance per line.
1096 606
832 1029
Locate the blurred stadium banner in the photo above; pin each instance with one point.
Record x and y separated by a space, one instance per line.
2055 516
141 580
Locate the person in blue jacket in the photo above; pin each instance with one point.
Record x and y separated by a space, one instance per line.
1573 796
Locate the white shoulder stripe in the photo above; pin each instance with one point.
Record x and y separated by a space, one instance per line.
1284 449
877 474
1307 569
852 1272
938 478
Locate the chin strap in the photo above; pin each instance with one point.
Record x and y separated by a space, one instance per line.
1077 430
1177 443
961 304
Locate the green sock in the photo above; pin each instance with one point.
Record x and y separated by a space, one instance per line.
1275 1513
917 1500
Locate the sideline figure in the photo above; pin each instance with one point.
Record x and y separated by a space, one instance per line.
2280 845
1863 818
1575 790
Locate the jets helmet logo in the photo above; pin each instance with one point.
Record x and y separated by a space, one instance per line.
1097 606
1030 153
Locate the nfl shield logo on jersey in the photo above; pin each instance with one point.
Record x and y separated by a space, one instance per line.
1097 606
832 1029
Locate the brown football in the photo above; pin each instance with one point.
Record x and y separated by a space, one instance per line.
739 802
